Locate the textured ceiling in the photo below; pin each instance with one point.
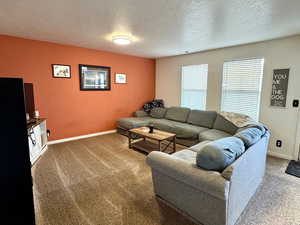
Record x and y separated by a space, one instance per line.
159 27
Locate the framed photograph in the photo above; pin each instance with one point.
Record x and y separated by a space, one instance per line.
121 78
94 78
61 71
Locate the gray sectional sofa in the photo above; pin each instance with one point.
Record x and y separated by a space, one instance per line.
190 126
212 180
208 197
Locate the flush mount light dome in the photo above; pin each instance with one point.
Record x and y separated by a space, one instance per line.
121 40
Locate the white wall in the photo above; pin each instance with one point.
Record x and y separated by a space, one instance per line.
280 53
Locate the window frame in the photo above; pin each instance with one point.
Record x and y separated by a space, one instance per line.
181 83
261 81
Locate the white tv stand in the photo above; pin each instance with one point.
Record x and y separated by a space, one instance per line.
37 138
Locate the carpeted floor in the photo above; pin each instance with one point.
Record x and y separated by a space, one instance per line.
99 181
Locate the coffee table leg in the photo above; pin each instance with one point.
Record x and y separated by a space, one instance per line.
174 144
129 140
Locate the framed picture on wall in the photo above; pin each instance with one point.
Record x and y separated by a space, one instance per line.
61 71
94 78
120 78
280 83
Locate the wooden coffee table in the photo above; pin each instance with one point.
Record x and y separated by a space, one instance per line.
156 141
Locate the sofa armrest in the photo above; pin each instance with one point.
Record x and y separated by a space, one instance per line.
210 182
245 175
244 166
140 113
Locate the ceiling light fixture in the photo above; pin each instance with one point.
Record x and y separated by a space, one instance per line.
121 40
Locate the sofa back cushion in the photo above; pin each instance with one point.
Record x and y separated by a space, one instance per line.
224 125
219 154
178 114
249 136
202 118
140 113
158 112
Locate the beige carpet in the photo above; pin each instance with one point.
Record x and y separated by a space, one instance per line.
99 181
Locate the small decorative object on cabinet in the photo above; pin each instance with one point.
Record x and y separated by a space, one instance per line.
37 138
93 78
61 71
121 78
36 114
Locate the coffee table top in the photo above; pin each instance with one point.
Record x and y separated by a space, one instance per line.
158 135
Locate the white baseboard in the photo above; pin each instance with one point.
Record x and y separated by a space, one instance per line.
81 137
279 155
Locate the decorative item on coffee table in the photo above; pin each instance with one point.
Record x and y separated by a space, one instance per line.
151 128
156 141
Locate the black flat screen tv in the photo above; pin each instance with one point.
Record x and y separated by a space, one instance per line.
29 99
16 199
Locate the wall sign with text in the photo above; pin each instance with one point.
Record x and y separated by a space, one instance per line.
280 87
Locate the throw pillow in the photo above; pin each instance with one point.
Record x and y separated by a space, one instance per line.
249 136
219 154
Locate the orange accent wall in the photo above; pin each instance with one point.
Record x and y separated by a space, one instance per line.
69 111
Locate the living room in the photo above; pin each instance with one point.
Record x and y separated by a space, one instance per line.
160 112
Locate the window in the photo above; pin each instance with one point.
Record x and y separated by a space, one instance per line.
241 87
194 86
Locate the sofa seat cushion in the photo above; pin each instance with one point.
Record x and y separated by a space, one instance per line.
219 154
177 114
182 130
133 122
187 131
212 135
202 118
163 124
186 155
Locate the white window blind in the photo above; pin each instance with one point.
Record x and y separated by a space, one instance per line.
241 86
194 86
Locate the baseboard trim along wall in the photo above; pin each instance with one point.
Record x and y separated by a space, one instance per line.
279 155
81 137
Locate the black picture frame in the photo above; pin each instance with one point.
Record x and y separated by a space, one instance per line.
54 72
94 78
